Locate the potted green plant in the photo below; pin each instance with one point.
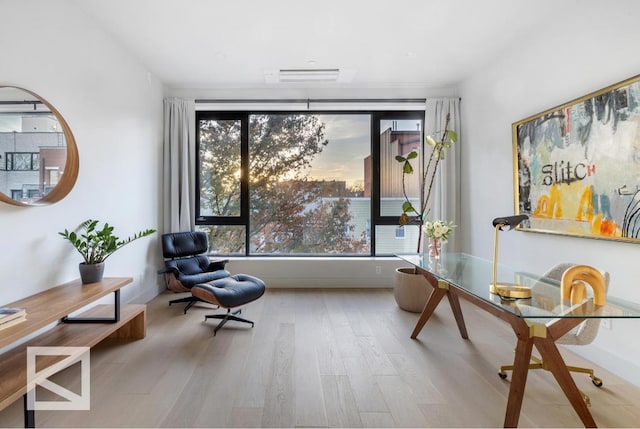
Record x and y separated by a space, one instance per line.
95 245
411 290
412 215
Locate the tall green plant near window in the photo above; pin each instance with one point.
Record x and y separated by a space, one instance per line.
439 142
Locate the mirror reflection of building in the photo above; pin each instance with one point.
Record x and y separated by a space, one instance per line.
33 147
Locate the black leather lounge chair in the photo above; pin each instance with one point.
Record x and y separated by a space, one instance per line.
186 264
188 269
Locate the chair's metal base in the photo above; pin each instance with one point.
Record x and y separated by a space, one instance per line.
190 300
226 317
540 364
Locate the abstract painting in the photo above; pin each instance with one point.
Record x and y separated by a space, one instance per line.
577 166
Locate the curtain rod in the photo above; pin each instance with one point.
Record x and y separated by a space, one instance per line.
316 100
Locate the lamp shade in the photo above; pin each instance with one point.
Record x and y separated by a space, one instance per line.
510 221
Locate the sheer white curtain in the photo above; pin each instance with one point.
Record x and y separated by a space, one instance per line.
445 201
179 163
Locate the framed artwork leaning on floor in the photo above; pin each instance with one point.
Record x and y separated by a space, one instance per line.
577 166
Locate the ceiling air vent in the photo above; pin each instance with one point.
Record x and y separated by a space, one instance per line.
308 75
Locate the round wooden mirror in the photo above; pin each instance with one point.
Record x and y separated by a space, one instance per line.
38 153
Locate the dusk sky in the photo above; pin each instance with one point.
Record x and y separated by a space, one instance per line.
349 144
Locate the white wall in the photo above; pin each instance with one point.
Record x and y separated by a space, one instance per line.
114 108
595 46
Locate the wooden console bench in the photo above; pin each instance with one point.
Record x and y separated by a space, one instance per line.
82 330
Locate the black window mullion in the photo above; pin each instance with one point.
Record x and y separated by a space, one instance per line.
244 179
375 179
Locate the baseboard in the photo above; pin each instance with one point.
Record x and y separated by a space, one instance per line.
378 272
625 369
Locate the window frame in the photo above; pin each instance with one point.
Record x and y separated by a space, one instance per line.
34 161
243 219
376 219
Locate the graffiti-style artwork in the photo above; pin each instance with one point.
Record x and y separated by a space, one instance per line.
577 166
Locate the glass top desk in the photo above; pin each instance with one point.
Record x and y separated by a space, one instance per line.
537 321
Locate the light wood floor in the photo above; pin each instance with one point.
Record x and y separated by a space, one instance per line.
322 358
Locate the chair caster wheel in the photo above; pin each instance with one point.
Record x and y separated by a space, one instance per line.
502 375
597 382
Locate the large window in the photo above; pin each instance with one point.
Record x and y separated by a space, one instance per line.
303 183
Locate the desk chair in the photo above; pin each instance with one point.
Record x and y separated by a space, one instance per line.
186 264
572 277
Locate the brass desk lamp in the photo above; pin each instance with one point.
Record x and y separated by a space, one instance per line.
507 290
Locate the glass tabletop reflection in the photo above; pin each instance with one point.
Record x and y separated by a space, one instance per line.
474 276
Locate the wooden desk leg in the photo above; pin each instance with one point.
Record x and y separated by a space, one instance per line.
552 357
457 313
518 381
433 301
